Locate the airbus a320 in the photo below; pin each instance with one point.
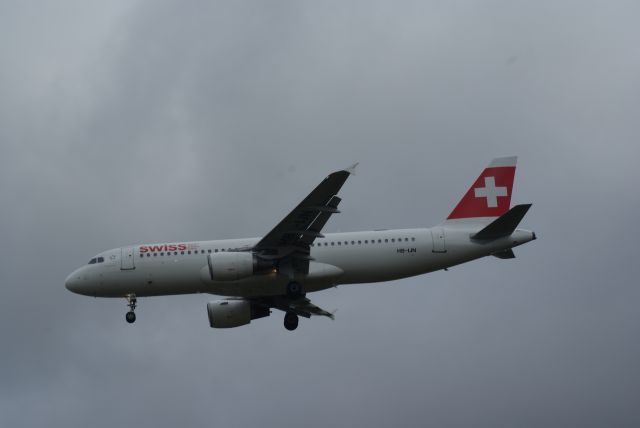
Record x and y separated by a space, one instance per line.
279 270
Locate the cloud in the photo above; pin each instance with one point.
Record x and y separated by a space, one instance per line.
159 121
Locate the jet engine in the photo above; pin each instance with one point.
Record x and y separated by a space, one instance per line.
231 266
234 313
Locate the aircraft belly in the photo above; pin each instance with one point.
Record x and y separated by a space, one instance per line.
320 277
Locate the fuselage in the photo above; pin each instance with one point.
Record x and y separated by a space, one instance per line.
336 258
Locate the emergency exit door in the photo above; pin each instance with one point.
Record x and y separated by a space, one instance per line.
438 237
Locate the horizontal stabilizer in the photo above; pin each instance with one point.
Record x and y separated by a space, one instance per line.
505 254
505 224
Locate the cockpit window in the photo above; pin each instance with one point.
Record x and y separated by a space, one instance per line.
93 261
100 259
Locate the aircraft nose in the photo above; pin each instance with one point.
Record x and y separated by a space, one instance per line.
73 283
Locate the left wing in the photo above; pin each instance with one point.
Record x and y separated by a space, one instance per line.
300 306
289 241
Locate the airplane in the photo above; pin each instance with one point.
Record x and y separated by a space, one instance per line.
278 270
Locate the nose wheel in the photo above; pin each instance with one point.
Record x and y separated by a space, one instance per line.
132 302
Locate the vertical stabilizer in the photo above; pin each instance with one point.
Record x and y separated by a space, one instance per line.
490 194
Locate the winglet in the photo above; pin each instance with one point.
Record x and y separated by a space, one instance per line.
352 169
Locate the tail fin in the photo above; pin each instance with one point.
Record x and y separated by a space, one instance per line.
490 194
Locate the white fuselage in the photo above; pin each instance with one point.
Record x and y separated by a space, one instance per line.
337 258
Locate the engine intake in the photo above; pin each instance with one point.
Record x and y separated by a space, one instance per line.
234 313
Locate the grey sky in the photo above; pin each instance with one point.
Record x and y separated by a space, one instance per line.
124 122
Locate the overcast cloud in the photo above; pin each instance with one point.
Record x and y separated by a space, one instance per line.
148 121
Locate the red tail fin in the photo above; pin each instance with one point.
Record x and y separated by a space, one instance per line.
490 194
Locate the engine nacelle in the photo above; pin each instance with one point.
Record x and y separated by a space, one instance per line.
234 313
231 266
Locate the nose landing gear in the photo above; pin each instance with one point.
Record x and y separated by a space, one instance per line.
132 303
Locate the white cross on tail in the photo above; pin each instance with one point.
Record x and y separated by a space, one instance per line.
490 191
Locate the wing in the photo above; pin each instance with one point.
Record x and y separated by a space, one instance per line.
305 308
289 241
301 306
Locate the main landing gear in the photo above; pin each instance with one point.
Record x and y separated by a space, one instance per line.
132 303
294 290
290 321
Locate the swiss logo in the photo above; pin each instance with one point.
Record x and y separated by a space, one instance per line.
490 192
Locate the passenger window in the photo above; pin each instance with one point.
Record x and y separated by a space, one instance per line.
216 250
182 253
333 243
366 241
339 243
353 242
393 240
148 255
209 251
155 254
359 242
413 239
162 254
386 240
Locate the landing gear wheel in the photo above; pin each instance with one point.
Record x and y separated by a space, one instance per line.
294 289
132 302
290 321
